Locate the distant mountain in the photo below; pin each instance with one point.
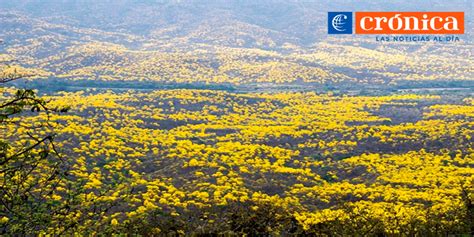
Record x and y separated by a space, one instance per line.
280 20
221 41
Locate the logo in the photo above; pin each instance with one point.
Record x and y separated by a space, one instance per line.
339 22
409 22
397 22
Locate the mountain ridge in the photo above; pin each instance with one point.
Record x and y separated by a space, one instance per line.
215 44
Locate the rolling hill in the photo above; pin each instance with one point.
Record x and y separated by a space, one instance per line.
236 43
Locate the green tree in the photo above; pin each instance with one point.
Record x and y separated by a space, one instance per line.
30 168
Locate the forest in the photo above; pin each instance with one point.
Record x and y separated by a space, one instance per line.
202 161
229 118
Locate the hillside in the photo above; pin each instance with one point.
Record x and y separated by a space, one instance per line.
230 118
239 44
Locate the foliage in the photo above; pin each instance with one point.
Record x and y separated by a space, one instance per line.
31 169
197 161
